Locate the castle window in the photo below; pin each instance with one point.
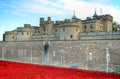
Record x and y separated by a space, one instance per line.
63 29
13 37
76 29
55 30
71 36
100 27
44 29
27 33
85 27
91 26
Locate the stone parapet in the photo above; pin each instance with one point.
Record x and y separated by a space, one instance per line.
99 36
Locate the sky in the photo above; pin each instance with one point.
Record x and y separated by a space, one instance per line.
16 13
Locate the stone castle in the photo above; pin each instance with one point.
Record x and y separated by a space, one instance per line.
69 29
42 44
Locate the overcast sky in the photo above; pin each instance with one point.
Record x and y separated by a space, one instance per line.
15 13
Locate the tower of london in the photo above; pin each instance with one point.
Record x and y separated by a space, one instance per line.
67 43
68 29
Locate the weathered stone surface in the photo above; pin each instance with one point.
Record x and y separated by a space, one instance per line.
84 54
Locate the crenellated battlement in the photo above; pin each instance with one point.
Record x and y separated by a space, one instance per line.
45 22
10 33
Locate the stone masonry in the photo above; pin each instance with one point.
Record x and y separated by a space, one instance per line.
84 54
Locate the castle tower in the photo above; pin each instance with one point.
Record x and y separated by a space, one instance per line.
49 19
107 20
50 26
10 36
70 29
46 27
41 21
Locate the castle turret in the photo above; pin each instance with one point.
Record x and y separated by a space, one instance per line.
41 21
46 27
27 25
49 19
9 36
108 20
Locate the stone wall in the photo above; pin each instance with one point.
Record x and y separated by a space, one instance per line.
100 36
85 54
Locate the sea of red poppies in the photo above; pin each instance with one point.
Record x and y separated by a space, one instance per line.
15 70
